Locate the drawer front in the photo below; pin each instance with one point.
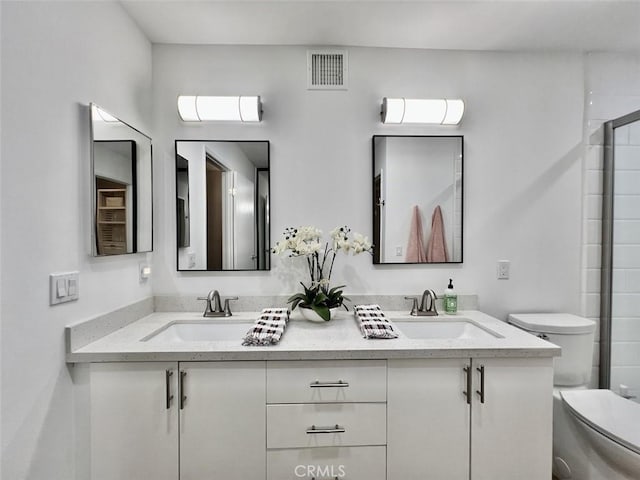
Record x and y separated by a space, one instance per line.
321 381
326 425
353 463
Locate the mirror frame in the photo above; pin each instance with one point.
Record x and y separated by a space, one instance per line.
177 218
94 219
374 200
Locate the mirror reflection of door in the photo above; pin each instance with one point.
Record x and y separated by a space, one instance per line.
226 186
261 257
378 203
182 203
215 195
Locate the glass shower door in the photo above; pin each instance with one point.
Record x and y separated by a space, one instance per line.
621 257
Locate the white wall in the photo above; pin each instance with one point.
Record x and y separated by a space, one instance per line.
523 152
56 58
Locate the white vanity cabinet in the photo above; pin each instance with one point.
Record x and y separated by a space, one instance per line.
511 432
503 430
428 420
178 421
222 421
134 425
326 419
396 419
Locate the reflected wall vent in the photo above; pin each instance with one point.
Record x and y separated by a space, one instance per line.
327 69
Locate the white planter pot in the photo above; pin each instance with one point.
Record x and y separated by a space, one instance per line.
312 316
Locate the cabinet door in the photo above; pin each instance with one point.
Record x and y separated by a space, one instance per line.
428 420
223 421
511 431
134 433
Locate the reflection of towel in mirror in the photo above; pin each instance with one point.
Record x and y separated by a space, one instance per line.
415 247
437 245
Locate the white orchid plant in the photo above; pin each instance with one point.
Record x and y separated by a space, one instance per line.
306 242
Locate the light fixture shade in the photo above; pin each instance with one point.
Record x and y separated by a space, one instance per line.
205 108
416 110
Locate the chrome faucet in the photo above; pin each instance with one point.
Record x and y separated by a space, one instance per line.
427 306
214 305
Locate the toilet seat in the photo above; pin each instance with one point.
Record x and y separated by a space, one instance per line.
607 413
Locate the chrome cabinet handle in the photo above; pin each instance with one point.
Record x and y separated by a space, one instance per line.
467 392
336 429
183 397
167 387
481 391
332 478
319 384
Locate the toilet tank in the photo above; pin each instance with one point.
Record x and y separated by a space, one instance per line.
575 335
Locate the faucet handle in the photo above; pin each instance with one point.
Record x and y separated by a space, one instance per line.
414 307
227 310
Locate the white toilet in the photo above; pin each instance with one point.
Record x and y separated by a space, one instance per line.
596 433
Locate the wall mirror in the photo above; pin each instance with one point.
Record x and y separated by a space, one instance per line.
417 199
222 205
121 176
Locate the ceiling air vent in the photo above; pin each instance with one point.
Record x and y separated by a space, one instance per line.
327 69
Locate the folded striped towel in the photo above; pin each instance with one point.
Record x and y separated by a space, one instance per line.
268 328
373 323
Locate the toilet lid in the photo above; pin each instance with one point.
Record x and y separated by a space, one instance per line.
560 323
611 415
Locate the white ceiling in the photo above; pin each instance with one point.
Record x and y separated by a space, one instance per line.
574 25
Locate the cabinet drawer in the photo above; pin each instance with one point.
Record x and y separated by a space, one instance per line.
354 463
321 381
326 425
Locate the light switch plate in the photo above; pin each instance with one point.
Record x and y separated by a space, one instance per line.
504 269
63 287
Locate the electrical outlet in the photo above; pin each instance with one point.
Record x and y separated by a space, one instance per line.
145 271
398 251
63 287
504 269
191 260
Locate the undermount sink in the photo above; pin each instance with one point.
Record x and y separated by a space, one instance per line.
458 328
200 331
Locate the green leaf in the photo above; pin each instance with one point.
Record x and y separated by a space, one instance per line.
323 311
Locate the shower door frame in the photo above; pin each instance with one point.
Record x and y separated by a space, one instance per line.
606 275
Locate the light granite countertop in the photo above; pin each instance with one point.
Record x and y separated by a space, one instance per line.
303 340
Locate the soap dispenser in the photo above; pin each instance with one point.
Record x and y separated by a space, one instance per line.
450 300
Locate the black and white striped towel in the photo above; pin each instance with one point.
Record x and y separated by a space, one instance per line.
373 323
268 328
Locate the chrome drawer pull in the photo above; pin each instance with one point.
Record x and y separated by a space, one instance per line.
467 392
167 388
319 384
336 429
183 397
481 391
332 478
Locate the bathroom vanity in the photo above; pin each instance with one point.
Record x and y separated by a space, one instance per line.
452 398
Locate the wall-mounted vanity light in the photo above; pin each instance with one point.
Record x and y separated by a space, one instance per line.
417 110
204 109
